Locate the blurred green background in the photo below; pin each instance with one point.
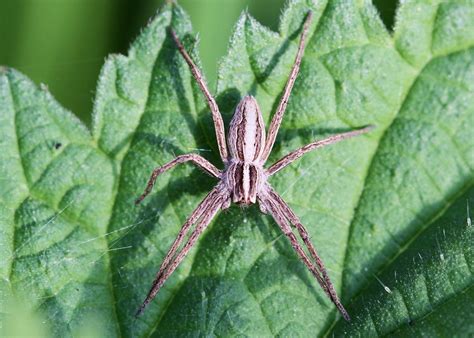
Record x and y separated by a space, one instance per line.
63 43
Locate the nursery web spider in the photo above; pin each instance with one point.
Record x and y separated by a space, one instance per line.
244 180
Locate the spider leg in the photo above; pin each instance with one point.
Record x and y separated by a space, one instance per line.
200 161
277 118
216 115
271 207
196 214
203 215
282 217
296 154
294 219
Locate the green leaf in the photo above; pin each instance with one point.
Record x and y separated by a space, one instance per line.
385 209
427 289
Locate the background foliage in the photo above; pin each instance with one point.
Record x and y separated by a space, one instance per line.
388 212
69 59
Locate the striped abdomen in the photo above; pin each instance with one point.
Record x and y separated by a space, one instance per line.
246 143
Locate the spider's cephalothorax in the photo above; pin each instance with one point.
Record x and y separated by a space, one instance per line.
244 178
244 173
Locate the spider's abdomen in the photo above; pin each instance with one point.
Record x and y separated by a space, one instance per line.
247 132
245 180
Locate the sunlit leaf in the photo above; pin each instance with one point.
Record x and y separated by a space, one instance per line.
387 211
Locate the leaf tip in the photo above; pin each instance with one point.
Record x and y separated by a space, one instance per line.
44 87
170 3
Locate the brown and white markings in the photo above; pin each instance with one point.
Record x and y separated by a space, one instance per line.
244 178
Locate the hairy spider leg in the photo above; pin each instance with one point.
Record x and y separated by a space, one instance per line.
199 161
278 117
216 200
216 115
294 219
196 214
296 154
270 207
275 211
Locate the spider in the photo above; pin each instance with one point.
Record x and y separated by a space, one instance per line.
244 180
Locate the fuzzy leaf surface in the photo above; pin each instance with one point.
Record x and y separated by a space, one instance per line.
385 209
